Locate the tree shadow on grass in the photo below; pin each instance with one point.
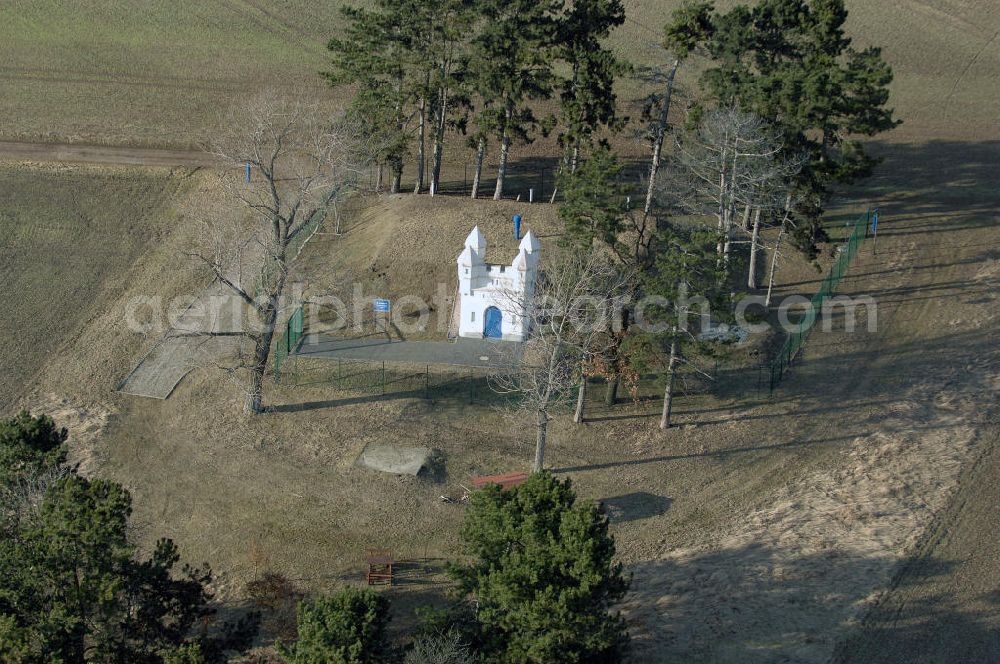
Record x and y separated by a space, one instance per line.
635 506
756 603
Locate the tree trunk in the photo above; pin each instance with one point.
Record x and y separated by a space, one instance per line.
722 216
397 179
542 424
754 244
555 186
746 217
379 178
439 141
659 136
502 168
571 162
611 393
421 140
581 399
668 392
262 350
774 264
504 151
397 164
480 156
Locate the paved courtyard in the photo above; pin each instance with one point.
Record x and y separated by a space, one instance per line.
462 352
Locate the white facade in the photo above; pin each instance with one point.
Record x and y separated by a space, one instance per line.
492 298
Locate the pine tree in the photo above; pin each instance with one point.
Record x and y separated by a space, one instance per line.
452 22
688 25
345 628
377 53
791 62
587 98
29 446
686 272
544 575
594 202
595 211
71 586
511 66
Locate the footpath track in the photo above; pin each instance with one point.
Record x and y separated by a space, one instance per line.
102 154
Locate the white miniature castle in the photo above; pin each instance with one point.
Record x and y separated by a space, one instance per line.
493 298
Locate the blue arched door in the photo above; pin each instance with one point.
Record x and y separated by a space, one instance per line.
493 324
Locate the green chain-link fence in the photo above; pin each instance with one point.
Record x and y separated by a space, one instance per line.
795 340
370 377
289 340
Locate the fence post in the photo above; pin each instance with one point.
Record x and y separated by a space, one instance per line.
383 377
339 373
427 381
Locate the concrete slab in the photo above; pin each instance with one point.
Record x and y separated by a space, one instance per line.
190 344
162 369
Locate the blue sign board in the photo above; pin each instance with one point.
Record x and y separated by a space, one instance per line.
382 306
875 221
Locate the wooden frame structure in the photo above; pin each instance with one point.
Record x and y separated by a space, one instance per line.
380 564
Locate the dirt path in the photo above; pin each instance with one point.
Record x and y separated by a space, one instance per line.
944 606
102 154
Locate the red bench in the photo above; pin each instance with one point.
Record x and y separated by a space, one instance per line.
508 481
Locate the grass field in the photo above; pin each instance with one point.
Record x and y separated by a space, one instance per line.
758 529
71 238
163 74
150 73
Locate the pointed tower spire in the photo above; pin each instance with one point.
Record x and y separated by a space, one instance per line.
476 241
530 243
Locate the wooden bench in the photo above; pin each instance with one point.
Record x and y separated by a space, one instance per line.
379 566
508 481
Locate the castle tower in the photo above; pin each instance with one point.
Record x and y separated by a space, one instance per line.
493 298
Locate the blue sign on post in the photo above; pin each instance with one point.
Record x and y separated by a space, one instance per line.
875 232
381 306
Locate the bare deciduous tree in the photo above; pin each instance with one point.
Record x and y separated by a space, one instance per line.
445 648
733 162
568 321
285 164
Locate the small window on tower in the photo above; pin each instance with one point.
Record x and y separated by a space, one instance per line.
473 316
